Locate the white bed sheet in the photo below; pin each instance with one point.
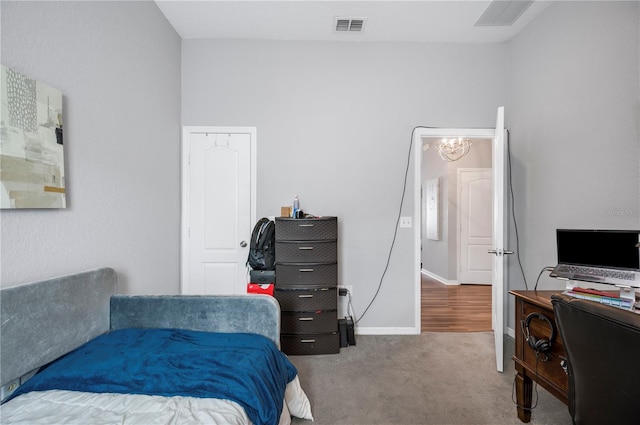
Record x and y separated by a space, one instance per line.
71 407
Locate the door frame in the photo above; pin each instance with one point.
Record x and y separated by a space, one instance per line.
419 134
184 206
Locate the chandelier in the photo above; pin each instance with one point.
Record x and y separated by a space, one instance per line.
453 149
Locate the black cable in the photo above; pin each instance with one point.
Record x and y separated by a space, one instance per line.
513 212
548 268
395 233
350 307
534 404
535 383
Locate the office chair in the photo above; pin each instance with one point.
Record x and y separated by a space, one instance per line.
602 346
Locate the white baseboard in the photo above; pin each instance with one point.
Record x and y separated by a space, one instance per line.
386 331
403 331
439 278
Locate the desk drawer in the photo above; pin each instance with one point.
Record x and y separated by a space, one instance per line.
550 368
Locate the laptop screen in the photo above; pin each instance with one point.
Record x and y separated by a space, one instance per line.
599 248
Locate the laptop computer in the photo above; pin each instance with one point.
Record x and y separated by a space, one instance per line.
599 256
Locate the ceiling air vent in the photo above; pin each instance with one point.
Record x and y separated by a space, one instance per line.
503 12
349 24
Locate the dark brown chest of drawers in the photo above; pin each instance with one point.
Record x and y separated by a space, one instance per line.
307 284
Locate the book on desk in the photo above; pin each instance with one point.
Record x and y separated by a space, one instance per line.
603 297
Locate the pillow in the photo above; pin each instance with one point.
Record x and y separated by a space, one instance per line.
297 400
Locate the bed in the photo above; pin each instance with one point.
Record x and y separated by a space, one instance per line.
75 351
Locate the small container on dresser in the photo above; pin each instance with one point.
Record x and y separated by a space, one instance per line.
307 284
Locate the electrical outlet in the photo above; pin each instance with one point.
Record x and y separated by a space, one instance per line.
406 222
345 290
344 300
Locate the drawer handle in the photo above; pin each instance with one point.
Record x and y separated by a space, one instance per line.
305 319
307 341
305 296
306 225
306 270
305 248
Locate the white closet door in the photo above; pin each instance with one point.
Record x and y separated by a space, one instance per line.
217 210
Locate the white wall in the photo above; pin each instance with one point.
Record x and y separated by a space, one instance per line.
334 126
118 67
573 116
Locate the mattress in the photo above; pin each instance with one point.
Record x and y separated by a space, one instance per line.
74 407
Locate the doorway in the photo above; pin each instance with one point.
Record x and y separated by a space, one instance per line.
457 255
442 257
498 135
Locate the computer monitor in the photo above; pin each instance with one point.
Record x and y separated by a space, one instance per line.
616 249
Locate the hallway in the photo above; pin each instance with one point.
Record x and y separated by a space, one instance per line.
455 308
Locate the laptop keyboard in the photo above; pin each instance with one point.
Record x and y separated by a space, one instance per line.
590 271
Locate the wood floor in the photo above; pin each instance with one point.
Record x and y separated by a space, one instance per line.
455 308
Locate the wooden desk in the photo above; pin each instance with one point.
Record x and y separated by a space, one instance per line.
548 374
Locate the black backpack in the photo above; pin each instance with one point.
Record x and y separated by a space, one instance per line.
262 251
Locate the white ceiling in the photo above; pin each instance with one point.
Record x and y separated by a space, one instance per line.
394 20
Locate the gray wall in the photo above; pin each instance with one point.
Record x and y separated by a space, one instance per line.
334 126
118 67
573 114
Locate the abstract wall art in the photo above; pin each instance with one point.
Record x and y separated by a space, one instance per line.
432 206
31 144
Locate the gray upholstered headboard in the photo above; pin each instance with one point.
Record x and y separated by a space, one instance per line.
42 321
258 314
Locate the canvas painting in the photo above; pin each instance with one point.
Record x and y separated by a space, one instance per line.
31 144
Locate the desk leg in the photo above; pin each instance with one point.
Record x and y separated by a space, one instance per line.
524 387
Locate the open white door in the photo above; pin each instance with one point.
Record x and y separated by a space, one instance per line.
499 238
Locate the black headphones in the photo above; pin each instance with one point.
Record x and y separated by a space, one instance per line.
540 346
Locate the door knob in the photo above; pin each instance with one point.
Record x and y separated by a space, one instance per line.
499 252
243 244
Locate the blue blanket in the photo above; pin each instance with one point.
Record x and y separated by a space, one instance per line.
246 368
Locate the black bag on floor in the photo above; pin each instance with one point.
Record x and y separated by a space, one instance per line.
262 251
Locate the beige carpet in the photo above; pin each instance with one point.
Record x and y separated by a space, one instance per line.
433 378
